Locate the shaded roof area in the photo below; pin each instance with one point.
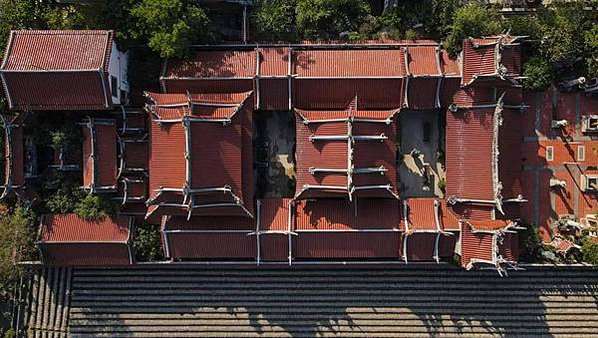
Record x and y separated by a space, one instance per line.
68 240
100 155
408 301
48 70
200 154
14 154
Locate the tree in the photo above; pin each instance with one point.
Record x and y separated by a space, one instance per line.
330 19
472 20
274 20
591 47
16 244
147 243
537 73
170 26
590 251
562 33
93 207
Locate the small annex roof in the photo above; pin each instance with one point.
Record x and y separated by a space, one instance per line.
428 225
489 243
491 58
57 70
200 154
68 240
99 155
348 153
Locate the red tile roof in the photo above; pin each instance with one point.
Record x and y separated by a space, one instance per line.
493 57
99 155
340 214
344 63
320 162
223 163
68 240
210 64
469 136
490 242
338 93
423 60
209 237
49 70
349 245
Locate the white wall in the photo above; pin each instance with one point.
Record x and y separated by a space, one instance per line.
118 68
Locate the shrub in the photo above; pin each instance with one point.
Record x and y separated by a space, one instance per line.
16 244
62 202
93 207
329 19
472 20
274 20
442 185
590 251
147 243
531 243
538 74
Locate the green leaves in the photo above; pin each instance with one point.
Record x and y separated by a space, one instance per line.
538 74
471 20
329 19
170 26
274 20
147 243
93 207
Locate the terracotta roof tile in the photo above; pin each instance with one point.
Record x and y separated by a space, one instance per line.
340 214
72 228
347 63
49 70
213 64
347 245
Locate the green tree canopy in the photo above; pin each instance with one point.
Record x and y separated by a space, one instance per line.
170 25
274 20
472 20
330 19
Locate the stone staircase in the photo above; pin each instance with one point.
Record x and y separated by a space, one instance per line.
49 306
410 301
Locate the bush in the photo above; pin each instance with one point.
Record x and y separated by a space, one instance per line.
274 20
147 243
442 185
531 243
590 251
472 20
63 201
329 19
93 207
170 25
16 244
538 74
10 333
